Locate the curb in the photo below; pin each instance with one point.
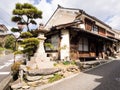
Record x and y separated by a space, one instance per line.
51 84
5 82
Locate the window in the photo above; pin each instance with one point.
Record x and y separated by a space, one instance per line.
1 31
95 29
48 44
52 43
83 44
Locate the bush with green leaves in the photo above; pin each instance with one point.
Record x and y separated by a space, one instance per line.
49 45
1 48
66 62
10 42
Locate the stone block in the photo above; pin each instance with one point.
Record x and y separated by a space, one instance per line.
33 78
46 71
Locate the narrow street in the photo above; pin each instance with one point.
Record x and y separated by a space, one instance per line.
105 77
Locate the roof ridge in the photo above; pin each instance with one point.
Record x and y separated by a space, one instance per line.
82 11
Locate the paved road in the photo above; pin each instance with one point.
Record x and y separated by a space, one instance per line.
5 66
105 77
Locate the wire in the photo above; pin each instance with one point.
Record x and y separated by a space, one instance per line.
4 16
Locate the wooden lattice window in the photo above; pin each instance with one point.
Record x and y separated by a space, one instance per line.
83 44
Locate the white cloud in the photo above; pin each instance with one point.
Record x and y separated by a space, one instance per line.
6 7
47 10
105 10
114 21
102 9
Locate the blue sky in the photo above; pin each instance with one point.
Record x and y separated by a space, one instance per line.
106 10
49 1
38 1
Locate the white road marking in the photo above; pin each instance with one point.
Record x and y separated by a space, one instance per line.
2 66
4 73
9 62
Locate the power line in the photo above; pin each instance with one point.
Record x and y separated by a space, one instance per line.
4 21
4 16
5 11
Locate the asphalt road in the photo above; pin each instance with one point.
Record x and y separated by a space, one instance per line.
105 77
5 66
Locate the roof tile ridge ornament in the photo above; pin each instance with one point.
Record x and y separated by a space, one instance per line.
59 6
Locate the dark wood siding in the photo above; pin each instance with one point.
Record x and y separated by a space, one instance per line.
102 31
110 34
88 24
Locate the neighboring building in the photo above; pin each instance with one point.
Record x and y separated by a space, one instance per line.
74 34
3 33
3 29
117 36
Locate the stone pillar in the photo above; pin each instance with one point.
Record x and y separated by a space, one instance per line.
40 55
40 59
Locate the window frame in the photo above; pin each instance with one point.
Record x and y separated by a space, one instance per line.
95 29
54 41
83 44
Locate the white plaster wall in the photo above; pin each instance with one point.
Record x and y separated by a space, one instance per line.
65 42
61 16
82 26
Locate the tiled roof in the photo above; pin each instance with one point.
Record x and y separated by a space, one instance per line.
3 27
82 11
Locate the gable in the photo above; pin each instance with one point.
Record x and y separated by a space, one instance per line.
61 16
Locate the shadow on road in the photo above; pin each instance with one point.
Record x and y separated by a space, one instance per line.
110 74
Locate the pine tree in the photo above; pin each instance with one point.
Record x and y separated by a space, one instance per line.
24 15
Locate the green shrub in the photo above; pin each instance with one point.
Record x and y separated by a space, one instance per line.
73 62
55 78
1 49
66 62
49 45
10 42
55 64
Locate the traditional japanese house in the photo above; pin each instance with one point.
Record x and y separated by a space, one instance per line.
74 34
